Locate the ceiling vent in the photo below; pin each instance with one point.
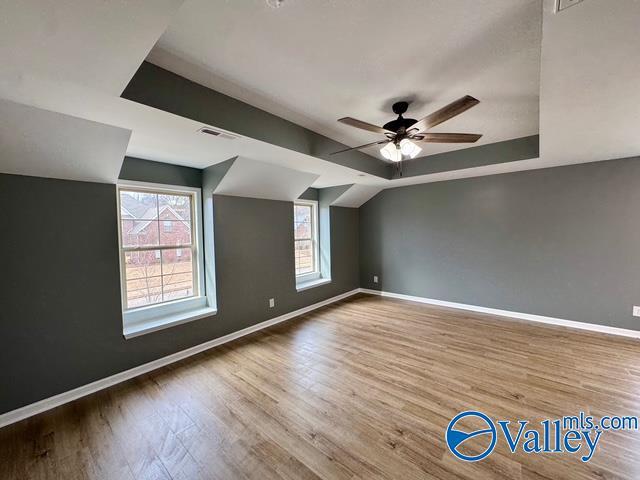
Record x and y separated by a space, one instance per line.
564 4
217 133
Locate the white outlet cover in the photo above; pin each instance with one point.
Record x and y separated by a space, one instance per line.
636 311
562 4
375 279
272 302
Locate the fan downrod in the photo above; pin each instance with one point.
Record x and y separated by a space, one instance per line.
400 107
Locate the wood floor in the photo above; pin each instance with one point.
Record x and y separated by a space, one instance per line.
362 389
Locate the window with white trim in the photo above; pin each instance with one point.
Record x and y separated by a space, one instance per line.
158 246
305 229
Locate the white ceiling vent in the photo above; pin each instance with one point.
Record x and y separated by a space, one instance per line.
217 133
563 4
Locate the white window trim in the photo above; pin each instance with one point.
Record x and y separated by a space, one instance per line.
151 318
312 279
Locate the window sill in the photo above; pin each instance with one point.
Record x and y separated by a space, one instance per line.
300 287
170 320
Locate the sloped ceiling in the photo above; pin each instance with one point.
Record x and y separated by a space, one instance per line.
94 43
48 144
356 196
66 63
254 179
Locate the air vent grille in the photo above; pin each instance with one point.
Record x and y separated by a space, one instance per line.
216 133
563 4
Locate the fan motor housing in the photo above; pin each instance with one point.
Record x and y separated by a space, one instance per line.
399 123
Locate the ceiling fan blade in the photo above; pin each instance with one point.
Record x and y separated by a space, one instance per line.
448 137
445 113
354 122
361 146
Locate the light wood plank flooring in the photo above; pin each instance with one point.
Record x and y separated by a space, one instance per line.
362 389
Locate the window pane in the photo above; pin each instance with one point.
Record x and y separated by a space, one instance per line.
157 220
304 256
302 231
302 213
177 278
174 232
175 207
143 278
140 233
138 205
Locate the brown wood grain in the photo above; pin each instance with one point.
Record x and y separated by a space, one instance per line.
362 389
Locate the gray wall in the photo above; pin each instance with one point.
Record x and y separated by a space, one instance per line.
60 321
562 242
155 172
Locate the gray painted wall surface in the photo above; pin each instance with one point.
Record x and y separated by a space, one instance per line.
159 88
500 152
561 242
60 321
156 172
309 194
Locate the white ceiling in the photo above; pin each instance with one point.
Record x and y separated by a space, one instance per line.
589 105
254 179
41 143
95 43
314 61
72 61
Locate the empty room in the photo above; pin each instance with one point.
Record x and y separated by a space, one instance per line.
320 239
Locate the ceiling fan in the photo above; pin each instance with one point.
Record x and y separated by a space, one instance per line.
403 133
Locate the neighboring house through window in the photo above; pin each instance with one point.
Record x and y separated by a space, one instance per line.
154 272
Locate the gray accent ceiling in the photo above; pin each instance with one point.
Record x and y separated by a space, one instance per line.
514 150
159 88
562 242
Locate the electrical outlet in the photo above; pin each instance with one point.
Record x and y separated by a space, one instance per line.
375 279
636 311
272 302
562 4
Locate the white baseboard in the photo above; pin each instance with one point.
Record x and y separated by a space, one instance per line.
65 397
506 313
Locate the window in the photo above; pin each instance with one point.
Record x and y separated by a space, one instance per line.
161 257
159 264
305 228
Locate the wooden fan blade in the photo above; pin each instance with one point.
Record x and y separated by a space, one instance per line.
449 137
354 122
361 146
445 113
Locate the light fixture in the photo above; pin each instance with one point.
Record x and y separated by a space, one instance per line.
392 152
407 147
